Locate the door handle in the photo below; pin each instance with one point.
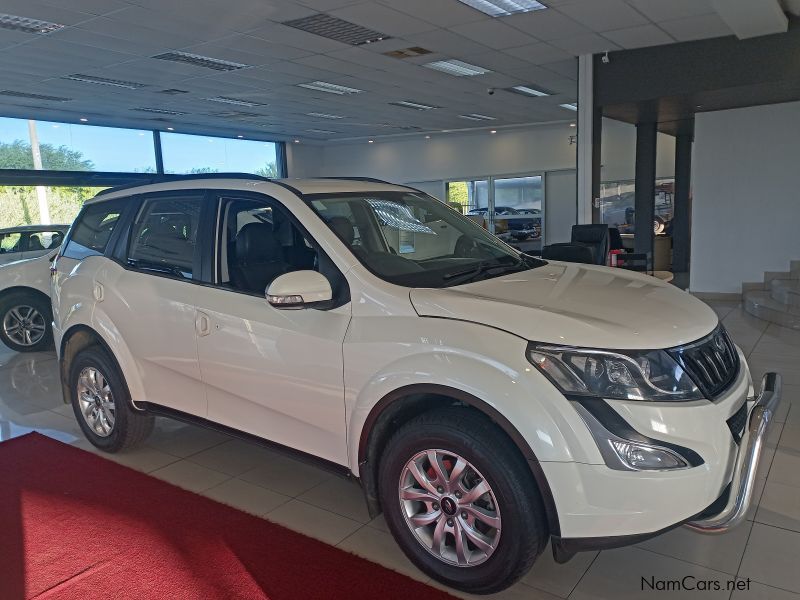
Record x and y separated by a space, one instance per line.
202 323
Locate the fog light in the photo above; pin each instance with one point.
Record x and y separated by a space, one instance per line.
647 458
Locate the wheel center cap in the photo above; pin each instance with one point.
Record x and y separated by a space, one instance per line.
449 506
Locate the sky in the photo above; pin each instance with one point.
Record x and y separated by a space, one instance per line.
129 150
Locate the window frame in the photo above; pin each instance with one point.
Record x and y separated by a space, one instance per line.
124 221
29 234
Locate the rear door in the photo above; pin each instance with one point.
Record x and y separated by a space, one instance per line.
41 242
11 247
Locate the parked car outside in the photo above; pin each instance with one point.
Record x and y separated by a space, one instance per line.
487 401
514 223
29 241
25 314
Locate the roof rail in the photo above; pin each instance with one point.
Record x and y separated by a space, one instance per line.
367 179
165 178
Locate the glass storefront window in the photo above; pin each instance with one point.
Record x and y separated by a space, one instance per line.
19 205
193 154
617 205
72 147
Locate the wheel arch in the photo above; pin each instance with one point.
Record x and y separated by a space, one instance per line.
77 338
24 289
405 403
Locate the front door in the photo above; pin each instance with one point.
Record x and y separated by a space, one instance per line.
276 374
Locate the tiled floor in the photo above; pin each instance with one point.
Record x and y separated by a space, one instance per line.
766 549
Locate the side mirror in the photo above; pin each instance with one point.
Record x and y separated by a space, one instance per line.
299 289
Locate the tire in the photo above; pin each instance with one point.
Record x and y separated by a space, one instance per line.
513 496
91 370
26 322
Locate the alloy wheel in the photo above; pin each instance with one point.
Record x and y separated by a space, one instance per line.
450 507
96 401
24 325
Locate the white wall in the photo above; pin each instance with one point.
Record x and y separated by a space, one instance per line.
746 204
618 152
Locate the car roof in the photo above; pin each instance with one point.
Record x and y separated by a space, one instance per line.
34 228
244 182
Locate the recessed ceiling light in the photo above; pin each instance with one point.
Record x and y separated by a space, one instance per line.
14 94
240 136
159 111
27 25
334 28
324 115
427 137
572 124
83 119
297 141
131 85
569 106
527 90
235 101
414 105
371 141
198 60
477 117
502 8
170 129
493 131
456 67
331 88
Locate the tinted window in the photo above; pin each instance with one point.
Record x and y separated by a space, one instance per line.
92 230
9 242
164 236
44 240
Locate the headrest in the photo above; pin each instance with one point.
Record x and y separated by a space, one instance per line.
256 243
589 234
569 253
343 228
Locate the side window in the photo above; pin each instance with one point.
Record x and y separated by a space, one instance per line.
44 240
165 234
92 230
9 242
258 242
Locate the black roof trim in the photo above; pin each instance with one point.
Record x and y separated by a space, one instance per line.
199 176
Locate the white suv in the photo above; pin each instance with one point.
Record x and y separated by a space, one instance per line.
487 401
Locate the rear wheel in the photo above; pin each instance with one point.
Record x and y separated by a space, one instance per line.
26 322
101 402
461 501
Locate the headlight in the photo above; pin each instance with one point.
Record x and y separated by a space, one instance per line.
626 375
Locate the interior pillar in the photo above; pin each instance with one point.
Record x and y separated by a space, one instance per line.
681 227
646 135
586 129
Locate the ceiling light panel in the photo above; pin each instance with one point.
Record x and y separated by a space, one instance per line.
526 90
502 8
337 29
234 101
198 60
331 88
27 25
414 105
324 115
477 117
131 85
159 111
321 131
28 96
569 106
457 68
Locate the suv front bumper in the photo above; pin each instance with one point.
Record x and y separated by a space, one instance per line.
730 508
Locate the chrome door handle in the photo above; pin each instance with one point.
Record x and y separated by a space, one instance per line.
202 324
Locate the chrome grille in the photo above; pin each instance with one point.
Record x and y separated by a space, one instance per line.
711 362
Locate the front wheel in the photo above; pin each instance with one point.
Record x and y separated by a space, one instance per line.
461 502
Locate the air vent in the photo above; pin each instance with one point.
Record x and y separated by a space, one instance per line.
26 25
456 67
173 92
197 60
331 88
322 131
337 29
477 117
414 105
33 96
235 101
324 115
131 85
407 52
159 111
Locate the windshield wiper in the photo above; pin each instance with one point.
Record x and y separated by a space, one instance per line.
148 265
483 267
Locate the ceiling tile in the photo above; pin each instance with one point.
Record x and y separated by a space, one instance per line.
696 28
382 18
494 33
638 37
498 61
659 10
568 68
603 15
591 43
539 54
444 13
545 24
447 42
37 10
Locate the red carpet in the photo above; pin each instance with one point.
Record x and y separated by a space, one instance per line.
77 526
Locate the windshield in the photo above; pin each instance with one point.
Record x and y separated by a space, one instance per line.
413 240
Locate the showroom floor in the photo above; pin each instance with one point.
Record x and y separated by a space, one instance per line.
764 549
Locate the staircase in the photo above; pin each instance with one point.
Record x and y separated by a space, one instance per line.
777 300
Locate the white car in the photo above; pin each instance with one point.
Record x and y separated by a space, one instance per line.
25 315
488 402
29 241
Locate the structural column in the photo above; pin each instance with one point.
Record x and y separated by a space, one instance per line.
681 227
646 135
